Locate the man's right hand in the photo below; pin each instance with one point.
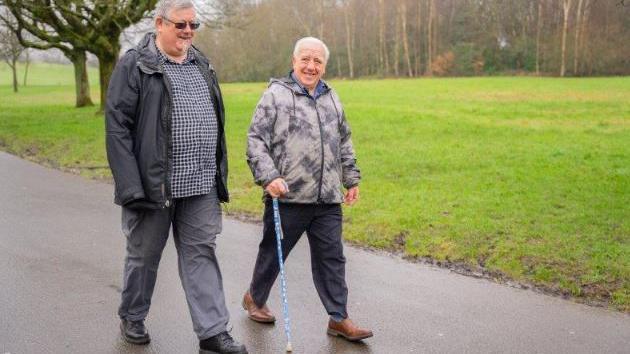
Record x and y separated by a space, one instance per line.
277 188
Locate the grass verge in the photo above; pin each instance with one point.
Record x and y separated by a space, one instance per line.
523 179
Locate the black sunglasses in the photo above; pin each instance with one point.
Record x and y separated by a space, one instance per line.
182 25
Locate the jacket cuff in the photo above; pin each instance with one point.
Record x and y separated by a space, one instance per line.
275 174
351 185
130 195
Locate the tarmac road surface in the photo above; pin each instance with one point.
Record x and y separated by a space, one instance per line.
61 258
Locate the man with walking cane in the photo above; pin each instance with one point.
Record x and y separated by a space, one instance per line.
299 150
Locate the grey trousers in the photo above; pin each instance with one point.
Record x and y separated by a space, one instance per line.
196 221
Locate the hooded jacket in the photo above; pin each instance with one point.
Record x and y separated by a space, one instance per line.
138 121
304 140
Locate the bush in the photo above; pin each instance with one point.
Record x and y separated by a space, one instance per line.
444 63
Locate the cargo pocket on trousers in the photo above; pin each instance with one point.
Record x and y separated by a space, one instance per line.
130 220
216 218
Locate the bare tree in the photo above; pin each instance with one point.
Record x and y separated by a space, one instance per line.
382 42
321 15
583 27
566 6
430 44
33 33
538 32
419 39
578 19
77 26
349 36
372 37
10 51
27 63
397 35
403 18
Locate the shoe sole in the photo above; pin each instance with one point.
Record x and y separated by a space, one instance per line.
140 341
204 351
269 321
334 333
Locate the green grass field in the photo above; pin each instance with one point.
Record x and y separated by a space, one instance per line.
526 178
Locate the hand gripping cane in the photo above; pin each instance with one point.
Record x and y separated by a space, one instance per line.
283 281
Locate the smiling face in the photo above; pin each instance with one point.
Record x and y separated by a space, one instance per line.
172 41
309 65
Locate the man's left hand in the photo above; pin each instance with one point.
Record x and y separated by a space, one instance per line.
352 195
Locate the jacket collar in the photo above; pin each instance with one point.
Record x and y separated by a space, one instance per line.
297 88
149 60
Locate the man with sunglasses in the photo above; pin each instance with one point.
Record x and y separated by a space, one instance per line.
167 152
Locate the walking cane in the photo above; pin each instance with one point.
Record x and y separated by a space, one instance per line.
283 281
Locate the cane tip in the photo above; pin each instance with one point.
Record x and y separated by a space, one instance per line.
289 347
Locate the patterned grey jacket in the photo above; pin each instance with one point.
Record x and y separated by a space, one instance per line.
304 140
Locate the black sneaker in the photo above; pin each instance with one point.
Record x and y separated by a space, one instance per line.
222 343
134 332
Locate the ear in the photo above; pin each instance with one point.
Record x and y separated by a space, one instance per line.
159 22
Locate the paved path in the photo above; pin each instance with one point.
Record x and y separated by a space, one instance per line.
61 256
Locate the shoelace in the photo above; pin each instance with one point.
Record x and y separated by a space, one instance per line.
136 325
226 339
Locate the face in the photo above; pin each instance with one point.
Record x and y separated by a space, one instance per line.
175 42
309 65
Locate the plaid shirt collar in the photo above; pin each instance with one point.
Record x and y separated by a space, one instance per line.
163 58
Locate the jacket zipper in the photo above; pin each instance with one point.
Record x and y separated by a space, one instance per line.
321 141
169 137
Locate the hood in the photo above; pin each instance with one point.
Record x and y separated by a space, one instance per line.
289 83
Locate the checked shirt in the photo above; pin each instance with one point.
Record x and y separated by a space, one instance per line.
194 129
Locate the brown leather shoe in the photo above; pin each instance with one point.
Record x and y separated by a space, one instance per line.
255 313
348 330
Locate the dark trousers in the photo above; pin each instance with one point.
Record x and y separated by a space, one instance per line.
322 223
196 222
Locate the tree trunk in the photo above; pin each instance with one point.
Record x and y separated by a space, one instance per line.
448 36
565 26
403 17
430 38
348 39
382 47
320 10
419 47
576 45
583 30
435 33
106 65
13 66
296 13
81 81
397 36
538 30
28 62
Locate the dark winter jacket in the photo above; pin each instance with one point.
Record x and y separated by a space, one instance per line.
138 124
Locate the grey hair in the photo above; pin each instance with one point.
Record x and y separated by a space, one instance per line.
310 40
164 6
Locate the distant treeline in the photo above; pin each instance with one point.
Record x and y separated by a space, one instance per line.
251 40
